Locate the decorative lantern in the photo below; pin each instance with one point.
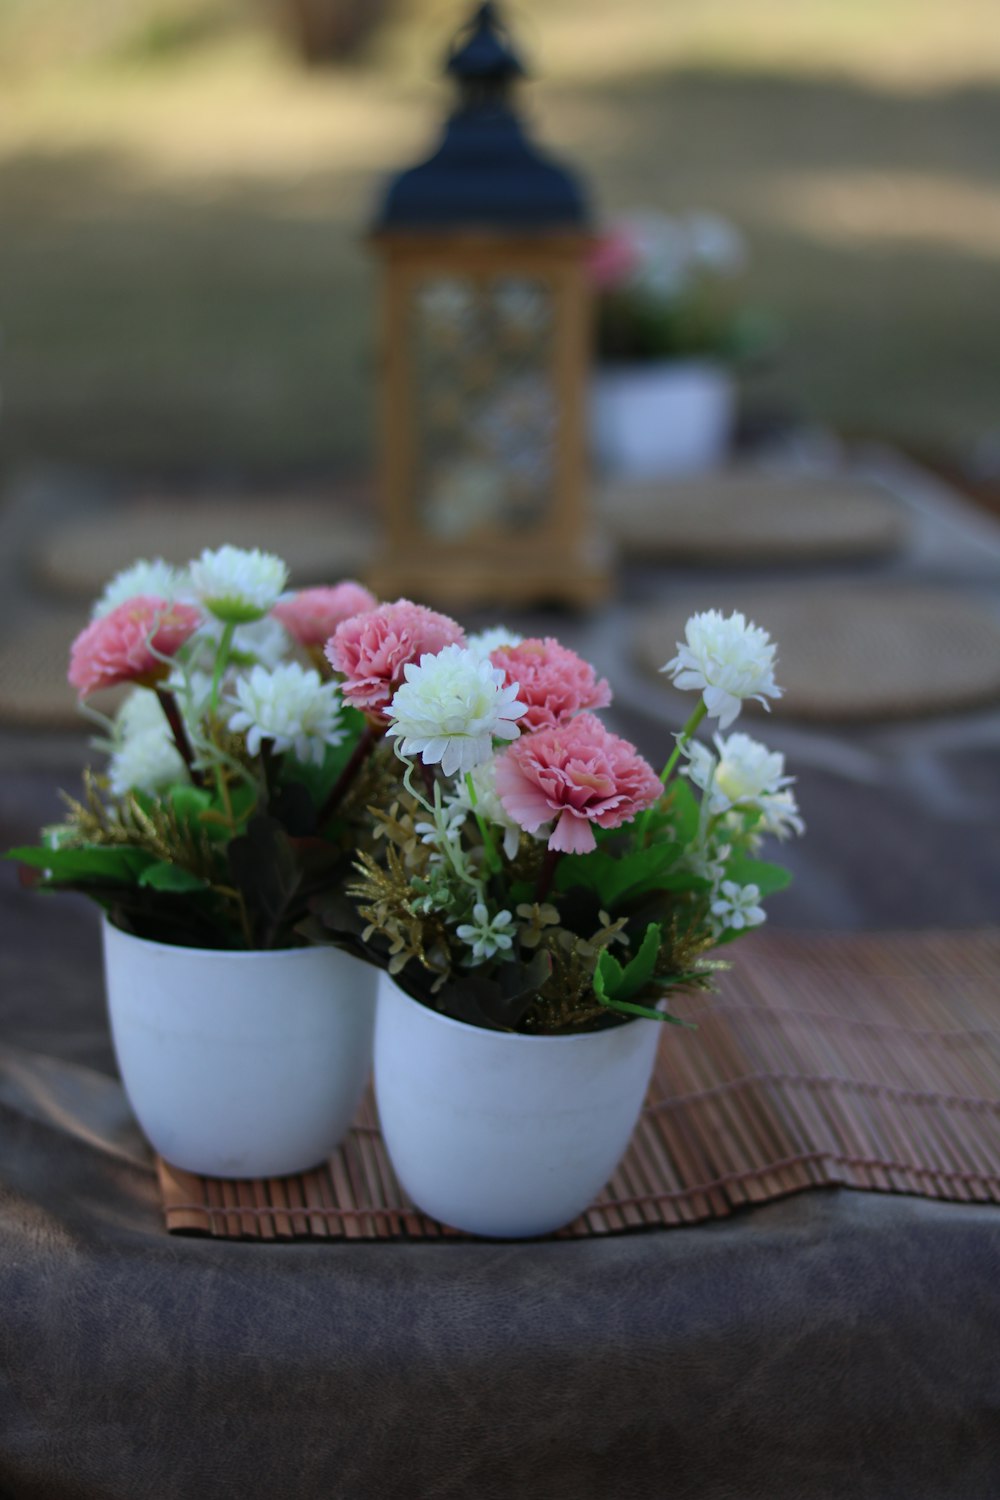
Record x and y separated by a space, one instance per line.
484 351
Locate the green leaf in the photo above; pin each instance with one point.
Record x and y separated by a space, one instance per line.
615 878
681 809
613 981
163 876
120 865
766 877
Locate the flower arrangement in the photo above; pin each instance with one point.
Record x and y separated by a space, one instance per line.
527 869
670 288
320 767
225 804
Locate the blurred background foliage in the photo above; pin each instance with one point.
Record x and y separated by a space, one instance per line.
184 187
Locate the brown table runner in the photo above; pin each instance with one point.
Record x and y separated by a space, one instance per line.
864 1061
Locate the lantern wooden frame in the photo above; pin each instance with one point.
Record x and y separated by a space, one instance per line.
559 559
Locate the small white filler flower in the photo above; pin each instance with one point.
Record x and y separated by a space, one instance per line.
736 907
727 660
486 935
290 706
451 708
238 586
155 580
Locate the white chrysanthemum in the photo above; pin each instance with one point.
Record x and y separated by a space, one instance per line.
737 907
486 641
144 758
727 660
486 935
238 585
745 776
487 804
451 708
289 705
156 579
744 772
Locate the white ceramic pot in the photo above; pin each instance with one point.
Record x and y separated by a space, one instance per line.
670 417
240 1064
499 1134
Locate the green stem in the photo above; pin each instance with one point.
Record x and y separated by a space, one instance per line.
493 862
686 733
668 770
221 661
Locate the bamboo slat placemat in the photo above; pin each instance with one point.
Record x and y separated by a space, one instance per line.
862 1061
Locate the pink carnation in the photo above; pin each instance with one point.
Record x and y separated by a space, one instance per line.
555 683
312 615
371 650
120 646
578 773
612 260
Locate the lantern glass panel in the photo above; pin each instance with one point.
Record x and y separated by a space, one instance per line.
484 403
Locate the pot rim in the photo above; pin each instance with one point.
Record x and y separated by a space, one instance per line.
519 1037
236 954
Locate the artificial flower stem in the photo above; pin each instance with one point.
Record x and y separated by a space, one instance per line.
366 744
221 660
168 703
686 734
490 851
546 874
668 770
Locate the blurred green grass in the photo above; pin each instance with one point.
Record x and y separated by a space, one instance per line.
183 278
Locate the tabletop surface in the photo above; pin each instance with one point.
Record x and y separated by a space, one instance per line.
834 1342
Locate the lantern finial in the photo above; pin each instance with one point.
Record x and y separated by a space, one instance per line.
482 54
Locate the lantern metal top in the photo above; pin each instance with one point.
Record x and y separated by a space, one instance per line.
486 173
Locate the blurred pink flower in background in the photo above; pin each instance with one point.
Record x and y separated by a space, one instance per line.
125 645
371 650
612 260
312 615
580 774
553 681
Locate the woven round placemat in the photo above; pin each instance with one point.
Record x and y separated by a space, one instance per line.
737 518
321 542
854 652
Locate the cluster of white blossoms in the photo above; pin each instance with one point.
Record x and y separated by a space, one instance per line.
237 585
745 776
486 935
727 660
154 580
450 709
291 707
144 758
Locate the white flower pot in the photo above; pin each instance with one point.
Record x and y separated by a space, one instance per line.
500 1134
240 1064
669 417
